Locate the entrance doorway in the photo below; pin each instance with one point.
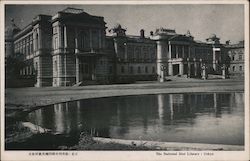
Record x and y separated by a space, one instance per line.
176 69
86 68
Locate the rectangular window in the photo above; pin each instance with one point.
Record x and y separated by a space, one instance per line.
131 70
36 68
31 70
95 39
110 69
122 69
240 57
31 47
146 69
153 69
86 68
139 70
56 43
55 67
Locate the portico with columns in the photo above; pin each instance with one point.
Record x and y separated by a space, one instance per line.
79 48
177 53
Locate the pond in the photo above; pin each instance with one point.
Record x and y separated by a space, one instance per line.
215 118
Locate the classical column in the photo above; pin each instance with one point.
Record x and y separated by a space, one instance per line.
90 39
189 52
170 69
159 58
60 36
126 52
65 37
189 69
183 51
195 68
77 69
169 51
176 50
40 38
100 38
181 67
76 41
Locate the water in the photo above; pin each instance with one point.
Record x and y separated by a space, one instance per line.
198 118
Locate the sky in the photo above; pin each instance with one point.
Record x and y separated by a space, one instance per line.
202 20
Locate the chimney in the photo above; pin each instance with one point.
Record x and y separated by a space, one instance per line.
151 33
142 33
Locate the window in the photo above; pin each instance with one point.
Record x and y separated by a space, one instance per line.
36 38
95 39
146 69
31 47
131 70
240 68
232 57
55 67
82 41
153 69
56 43
31 70
36 68
86 67
110 69
27 70
233 68
139 70
24 72
122 69
240 57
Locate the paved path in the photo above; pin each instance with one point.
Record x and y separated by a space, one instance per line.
31 97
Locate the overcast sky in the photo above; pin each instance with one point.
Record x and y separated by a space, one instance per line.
226 21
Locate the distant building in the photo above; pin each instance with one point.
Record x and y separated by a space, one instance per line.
236 55
72 47
135 56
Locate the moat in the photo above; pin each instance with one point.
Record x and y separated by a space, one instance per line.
214 118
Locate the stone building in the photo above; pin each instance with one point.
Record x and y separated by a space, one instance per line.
236 56
72 47
135 56
181 55
79 51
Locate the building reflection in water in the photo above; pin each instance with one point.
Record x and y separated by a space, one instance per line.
133 116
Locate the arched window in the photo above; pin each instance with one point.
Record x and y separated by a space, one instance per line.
240 68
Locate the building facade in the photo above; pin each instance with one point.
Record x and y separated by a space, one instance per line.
236 56
72 47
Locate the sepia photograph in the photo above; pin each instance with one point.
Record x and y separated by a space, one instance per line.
169 80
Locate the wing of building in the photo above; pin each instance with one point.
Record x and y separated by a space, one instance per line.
72 47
